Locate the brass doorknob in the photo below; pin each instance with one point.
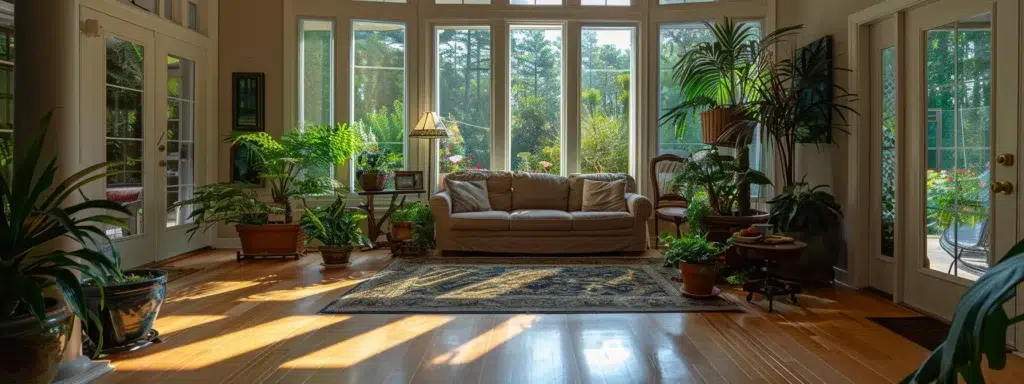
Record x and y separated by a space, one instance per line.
1004 187
163 163
1005 159
161 148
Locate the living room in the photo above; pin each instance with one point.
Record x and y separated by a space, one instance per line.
483 191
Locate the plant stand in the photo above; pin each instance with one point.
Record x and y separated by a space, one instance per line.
373 223
771 286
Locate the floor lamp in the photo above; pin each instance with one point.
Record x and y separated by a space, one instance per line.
430 127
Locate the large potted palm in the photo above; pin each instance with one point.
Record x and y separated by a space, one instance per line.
715 79
40 291
296 165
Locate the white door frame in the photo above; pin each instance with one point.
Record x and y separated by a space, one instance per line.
859 148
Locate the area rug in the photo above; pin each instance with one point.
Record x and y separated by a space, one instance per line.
522 285
922 330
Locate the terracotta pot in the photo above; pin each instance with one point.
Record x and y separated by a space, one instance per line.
698 280
373 181
401 230
336 256
714 124
32 352
129 311
271 239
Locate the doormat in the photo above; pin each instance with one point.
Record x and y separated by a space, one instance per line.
523 285
922 330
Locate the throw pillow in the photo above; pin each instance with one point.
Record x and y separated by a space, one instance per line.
604 196
468 196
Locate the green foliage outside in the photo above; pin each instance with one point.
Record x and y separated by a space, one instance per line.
959 196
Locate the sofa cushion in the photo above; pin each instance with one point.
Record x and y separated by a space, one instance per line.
480 221
499 186
601 221
540 220
469 196
576 186
604 196
539 191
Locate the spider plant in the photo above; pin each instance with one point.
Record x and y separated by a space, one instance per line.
299 163
38 213
979 326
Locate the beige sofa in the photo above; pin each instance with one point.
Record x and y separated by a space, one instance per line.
540 214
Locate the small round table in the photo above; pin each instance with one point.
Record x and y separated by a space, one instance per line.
770 286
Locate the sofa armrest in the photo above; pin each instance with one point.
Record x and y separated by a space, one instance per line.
639 206
441 207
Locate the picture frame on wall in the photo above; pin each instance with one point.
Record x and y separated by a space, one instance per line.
242 169
408 180
248 96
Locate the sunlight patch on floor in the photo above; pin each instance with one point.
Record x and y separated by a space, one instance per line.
486 342
220 348
298 293
213 288
354 350
174 323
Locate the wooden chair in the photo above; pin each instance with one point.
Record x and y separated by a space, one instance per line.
669 205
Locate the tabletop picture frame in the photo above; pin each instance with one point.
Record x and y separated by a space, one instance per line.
408 180
248 101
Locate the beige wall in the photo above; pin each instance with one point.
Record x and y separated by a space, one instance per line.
251 40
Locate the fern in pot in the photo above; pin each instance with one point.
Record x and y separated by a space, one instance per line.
698 260
338 228
40 293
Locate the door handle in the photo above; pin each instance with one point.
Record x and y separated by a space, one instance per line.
1004 187
163 163
1005 159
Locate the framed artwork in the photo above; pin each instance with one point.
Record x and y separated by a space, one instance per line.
816 91
242 171
408 180
247 97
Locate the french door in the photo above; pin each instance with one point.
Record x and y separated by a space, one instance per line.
962 116
142 106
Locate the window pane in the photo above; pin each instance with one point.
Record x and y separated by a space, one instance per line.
613 3
146 5
169 9
675 40
607 61
888 123
535 2
180 170
959 128
378 87
684 1
464 97
316 83
124 142
193 16
536 98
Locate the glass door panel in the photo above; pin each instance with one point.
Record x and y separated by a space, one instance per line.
958 67
125 130
180 138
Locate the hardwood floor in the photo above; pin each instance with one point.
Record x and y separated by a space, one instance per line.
257 322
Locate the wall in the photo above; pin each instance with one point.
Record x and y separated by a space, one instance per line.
825 165
250 41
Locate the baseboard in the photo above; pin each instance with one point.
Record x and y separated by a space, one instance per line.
175 258
82 370
227 243
842 277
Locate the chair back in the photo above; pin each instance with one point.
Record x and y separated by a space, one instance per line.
664 169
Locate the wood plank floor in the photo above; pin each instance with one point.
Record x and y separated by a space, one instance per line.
257 322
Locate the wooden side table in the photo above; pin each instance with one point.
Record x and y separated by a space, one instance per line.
771 286
373 224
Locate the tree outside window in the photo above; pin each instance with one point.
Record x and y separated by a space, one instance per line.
536 98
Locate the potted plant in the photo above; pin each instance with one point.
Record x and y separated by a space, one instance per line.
40 293
406 217
296 165
715 179
698 260
812 215
337 227
127 304
375 167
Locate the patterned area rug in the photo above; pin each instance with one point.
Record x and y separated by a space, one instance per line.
522 285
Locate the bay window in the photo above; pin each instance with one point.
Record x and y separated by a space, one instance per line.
606 111
463 81
535 90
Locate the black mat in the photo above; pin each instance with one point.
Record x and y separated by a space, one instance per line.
925 331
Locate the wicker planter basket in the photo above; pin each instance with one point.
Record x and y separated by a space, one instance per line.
715 123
